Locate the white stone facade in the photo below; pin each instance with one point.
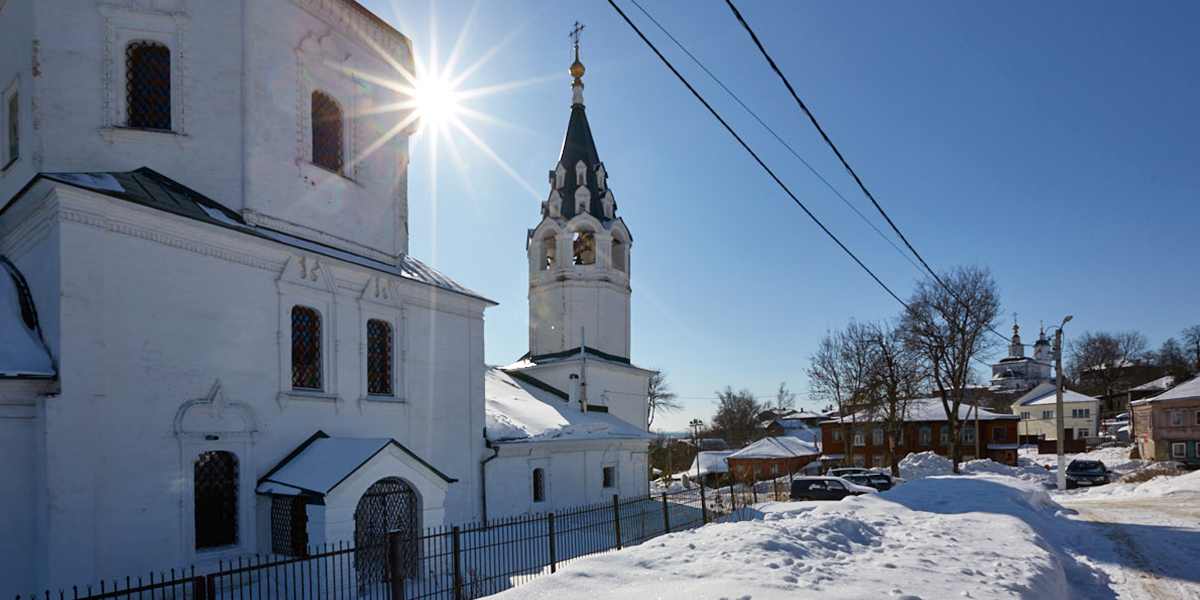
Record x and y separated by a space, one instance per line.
172 334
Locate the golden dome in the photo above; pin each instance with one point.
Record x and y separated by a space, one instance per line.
577 67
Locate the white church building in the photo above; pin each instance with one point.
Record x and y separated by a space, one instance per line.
213 340
567 423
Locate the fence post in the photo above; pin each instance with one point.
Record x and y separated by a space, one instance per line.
199 592
666 515
457 548
396 564
553 557
732 498
617 519
210 586
754 491
703 507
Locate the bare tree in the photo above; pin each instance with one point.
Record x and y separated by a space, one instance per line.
897 373
840 374
659 397
1099 361
1191 345
1171 359
947 325
737 416
784 398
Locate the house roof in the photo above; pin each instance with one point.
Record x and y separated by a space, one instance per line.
1046 393
323 462
777 447
1157 385
150 188
1187 389
517 410
23 353
930 409
710 462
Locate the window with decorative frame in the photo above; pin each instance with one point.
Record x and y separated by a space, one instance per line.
215 499
379 358
968 435
836 435
148 85
877 436
306 349
859 438
944 435
327 132
925 436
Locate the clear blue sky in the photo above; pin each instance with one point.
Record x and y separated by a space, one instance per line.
1055 142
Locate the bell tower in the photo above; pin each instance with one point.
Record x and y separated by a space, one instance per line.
579 254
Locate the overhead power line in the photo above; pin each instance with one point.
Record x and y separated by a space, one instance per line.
832 146
754 155
776 135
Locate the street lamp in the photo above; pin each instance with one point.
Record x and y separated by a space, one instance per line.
696 425
1058 404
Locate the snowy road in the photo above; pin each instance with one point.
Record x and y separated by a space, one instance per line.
1153 543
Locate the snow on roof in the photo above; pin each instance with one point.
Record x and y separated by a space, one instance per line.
1160 384
930 409
777 447
22 353
1187 389
710 462
321 465
519 412
1046 394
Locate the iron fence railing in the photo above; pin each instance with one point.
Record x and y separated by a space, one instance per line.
452 563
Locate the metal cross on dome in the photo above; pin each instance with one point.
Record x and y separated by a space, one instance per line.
574 35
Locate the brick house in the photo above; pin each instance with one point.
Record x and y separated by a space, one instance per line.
771 457
925 429
1167 426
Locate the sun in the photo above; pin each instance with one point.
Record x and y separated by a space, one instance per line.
437 103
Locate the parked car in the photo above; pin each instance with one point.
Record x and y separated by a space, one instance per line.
842 472
880 481
827 488
1087 472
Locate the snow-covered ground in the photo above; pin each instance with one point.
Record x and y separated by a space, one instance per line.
993 532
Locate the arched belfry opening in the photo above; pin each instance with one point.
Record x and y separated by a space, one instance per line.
390 504
584 247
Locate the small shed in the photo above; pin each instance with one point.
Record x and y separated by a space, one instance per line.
772 457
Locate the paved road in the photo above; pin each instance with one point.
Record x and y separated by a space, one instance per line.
1155 553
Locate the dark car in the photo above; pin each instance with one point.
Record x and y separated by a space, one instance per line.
826 488
880 481
1086 473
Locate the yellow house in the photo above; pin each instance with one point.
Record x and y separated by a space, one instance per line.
1040 418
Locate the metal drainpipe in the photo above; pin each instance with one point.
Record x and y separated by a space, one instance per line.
483 472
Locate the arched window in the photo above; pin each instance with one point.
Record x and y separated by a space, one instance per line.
379 358
306 348
584 244
326 132
215 483
539 485
620 255
549 251
148 86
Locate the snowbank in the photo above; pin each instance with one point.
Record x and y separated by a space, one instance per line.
988 536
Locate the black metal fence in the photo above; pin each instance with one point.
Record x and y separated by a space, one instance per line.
452 563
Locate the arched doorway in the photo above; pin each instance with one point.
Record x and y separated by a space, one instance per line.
389 504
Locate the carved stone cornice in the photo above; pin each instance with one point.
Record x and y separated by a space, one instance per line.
354 20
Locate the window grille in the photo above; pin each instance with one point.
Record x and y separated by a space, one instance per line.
306 348
326 132
215 480
148 86
289 526
539 485
379 358
388 505
610 477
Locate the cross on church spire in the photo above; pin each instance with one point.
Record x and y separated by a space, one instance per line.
574 35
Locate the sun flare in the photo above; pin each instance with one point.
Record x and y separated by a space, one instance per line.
437 103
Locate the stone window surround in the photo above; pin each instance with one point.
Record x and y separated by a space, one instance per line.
307 282
381 303
122 27
12 90
322 66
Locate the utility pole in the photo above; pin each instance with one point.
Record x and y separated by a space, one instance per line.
1058 405
696 425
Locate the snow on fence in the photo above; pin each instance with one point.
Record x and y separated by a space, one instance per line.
452 563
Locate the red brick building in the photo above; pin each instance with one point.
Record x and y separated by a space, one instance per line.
772 457
925 429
